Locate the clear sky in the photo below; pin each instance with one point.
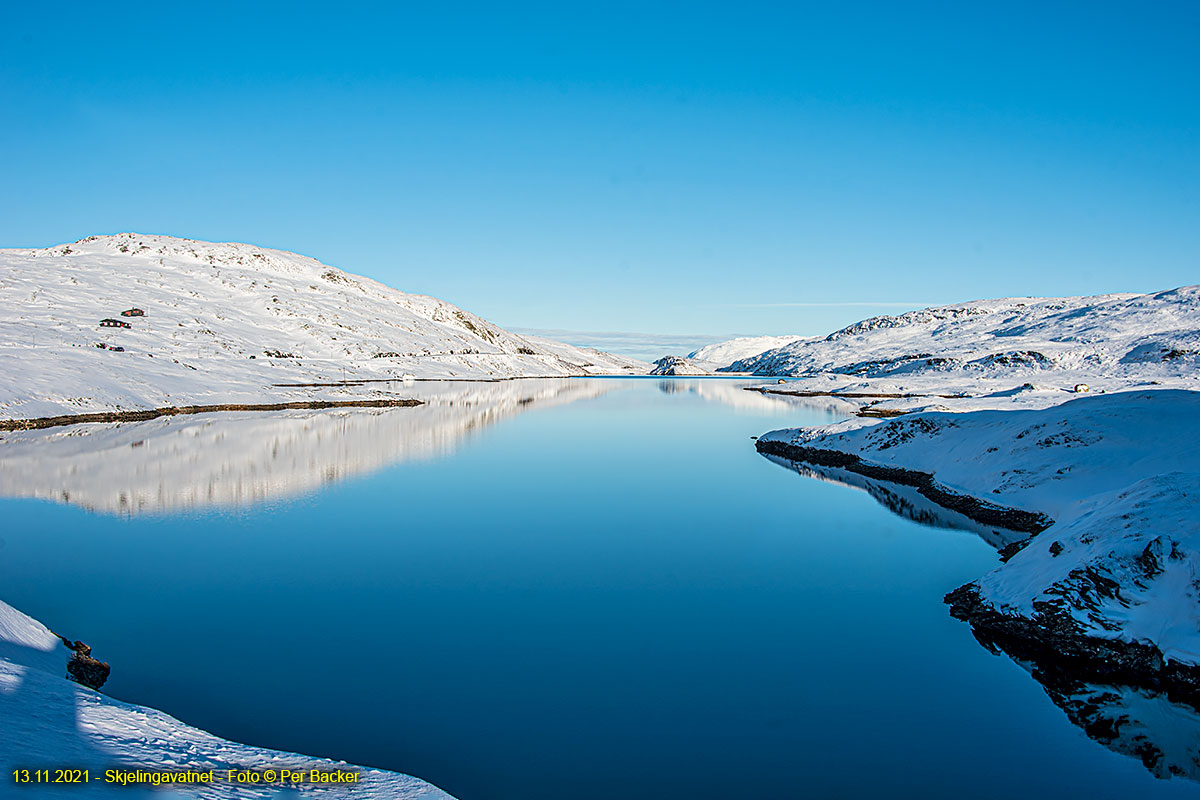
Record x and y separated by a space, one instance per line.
677 168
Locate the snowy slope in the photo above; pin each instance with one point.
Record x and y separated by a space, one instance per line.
49 721
1122 338
226 321
725 353
1118 473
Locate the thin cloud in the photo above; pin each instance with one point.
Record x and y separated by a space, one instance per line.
848 304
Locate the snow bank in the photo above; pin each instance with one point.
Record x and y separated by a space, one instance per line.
224 323
49 721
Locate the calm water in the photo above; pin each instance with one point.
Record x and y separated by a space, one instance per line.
552 589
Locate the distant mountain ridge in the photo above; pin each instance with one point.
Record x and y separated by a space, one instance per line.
1118 334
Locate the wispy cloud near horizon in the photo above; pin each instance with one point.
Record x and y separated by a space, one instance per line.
646 346
846 304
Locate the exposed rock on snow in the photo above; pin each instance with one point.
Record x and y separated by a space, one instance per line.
677 365
49 720
225 323
1111 587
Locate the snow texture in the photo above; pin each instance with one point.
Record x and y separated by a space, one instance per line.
226 323
986 347
725 353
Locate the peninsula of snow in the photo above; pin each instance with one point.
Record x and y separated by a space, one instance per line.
1070 422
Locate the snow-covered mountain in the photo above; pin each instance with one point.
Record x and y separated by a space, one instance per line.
1119 336
725 353
225 322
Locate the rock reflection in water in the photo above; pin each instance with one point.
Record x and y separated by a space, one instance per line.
1146 725
234 459
905 501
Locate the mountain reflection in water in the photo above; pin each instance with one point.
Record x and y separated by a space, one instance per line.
236 459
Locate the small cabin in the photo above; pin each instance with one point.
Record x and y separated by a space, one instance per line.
114 323
1080 388
133 312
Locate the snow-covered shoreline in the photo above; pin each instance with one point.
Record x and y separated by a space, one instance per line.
50 721
1108 582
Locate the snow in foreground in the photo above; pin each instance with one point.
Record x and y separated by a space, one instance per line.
1118 473
224 323
49 721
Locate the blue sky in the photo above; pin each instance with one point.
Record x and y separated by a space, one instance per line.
675 168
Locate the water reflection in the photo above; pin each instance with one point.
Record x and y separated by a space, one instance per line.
734 394
1143 724
904 501
234 459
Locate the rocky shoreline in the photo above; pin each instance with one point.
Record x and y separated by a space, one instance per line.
1106 602
1053 642
38 423
981 511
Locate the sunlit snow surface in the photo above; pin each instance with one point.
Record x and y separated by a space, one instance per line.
226 322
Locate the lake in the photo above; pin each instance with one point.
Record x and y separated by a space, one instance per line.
589 588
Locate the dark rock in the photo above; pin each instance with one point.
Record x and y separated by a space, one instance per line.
981 511
83 668
1054 641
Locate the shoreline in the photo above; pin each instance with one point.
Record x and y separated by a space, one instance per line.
40 423
1052 634
974 508
1050 641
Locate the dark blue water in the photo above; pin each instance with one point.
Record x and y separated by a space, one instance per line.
567 596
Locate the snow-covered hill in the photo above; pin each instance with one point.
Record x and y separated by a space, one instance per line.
1119 338
725 353
224 322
